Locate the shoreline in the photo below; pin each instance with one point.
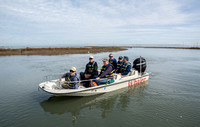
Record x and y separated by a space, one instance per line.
76 50
193 48
59 51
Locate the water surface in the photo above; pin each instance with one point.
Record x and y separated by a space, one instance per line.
171 97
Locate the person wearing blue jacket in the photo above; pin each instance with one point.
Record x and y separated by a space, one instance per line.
71 79
126 66
113 61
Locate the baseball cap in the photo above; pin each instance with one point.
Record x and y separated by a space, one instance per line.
105 59
120 57
91 57
126 57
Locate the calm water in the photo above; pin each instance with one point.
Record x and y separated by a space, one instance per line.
171 97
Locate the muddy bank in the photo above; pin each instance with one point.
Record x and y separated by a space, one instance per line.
58 51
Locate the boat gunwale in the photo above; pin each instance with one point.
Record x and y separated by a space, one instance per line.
97 87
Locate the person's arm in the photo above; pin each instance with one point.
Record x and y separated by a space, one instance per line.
75 81
86 69
116 70
64 75
115 63
109 69
95 71
128 69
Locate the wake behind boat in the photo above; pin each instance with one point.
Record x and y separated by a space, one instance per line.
133 79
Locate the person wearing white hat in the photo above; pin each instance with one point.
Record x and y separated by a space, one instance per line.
91 71
70 76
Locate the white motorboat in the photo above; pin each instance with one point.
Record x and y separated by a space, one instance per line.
132 80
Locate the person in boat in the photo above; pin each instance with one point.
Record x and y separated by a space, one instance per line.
119 64
112 60
106 73
91 71
71 79
126 68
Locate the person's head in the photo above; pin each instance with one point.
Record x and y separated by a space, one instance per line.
105 61
126 59
111 56
72 71
91 59
120 59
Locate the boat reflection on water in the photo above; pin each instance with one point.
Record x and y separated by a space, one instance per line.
104 102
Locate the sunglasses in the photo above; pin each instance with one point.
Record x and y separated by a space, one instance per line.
71 71
90 58
110 56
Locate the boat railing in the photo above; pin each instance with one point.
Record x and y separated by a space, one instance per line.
80 81
52 76
61 81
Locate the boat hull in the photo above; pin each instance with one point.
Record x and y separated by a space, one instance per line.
129 81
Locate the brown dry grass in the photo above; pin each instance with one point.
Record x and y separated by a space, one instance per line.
58 51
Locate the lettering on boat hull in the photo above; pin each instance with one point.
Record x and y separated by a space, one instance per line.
136 82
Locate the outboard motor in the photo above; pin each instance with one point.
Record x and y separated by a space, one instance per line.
139 64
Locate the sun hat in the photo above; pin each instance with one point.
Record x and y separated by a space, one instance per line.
73 69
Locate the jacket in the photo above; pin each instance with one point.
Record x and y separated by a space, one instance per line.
91 68
69 78
107 71
126 68
113 62
119 67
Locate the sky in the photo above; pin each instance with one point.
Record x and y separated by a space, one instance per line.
99 22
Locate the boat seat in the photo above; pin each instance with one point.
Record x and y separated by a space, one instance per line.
132 72
116 76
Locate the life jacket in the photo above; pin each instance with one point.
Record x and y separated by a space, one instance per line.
93 84
69 81
91 67
125 65
112 62
104 68
119 66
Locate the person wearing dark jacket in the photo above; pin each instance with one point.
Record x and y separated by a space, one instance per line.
119 64
71 79
91 71
126 66
106 73
113 61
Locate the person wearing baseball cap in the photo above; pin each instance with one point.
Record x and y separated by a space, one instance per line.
106 72
91 71
119 64
70 77
126 68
